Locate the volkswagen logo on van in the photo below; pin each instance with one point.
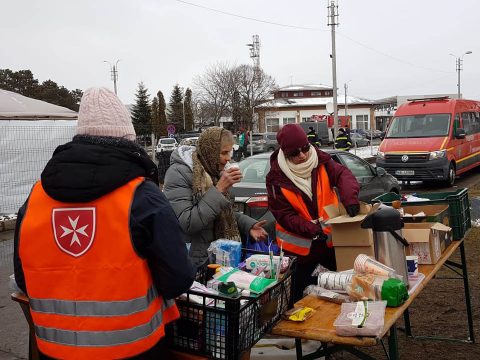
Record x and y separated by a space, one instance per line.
405 158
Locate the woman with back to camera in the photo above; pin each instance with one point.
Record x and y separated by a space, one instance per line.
197 185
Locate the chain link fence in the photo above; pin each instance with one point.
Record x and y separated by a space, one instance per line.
27 146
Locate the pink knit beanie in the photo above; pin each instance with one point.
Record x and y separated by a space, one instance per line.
103 114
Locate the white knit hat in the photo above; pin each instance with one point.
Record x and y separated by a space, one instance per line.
103 114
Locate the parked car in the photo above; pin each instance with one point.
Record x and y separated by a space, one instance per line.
359 140
191 141
262 142
165 144
251 194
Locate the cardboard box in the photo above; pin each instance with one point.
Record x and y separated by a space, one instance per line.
433 213
427 240
349 239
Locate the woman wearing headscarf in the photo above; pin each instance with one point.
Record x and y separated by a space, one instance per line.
197 186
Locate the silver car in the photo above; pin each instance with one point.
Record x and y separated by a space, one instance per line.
262 142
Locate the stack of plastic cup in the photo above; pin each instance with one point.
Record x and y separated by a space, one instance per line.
367 265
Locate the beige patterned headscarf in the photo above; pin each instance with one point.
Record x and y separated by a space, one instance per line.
206 174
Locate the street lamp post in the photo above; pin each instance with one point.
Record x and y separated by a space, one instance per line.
458 66
114 73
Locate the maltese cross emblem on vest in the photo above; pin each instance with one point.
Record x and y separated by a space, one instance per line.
74 229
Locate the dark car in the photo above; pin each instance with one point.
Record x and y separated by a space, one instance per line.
251 194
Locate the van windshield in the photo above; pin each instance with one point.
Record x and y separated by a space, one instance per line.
419 126
167 141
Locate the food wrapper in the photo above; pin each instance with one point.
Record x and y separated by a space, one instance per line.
298 313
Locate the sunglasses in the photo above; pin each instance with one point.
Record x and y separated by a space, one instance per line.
304 149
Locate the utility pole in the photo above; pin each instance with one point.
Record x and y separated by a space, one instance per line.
346 104
113 73
458 67
255 56
333 21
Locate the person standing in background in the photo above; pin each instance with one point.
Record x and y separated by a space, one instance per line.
343 141
97 247
312 137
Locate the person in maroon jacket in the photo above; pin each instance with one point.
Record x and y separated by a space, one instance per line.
300 183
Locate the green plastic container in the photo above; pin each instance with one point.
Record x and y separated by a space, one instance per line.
459 207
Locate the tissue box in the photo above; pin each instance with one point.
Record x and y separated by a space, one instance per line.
427 240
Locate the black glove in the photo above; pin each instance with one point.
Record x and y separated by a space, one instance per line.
353 210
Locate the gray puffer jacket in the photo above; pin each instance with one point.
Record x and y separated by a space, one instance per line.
196 218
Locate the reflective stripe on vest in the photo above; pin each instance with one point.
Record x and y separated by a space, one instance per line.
325 196
103 338
94 308
98 302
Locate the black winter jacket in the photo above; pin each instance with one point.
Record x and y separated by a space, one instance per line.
90 167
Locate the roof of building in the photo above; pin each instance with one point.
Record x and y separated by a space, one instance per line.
305 87
314 101
14 106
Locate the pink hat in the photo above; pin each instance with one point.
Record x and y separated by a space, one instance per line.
103 114
291 137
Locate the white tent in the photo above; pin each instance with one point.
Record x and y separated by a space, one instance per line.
30 130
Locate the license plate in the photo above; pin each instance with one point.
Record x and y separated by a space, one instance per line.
405 172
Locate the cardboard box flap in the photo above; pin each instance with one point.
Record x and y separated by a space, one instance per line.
417 235
338 214
441 227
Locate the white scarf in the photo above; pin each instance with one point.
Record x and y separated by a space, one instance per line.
300 174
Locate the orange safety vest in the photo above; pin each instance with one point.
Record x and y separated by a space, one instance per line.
91 295
325 196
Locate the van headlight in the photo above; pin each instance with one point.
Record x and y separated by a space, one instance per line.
381 155
437 154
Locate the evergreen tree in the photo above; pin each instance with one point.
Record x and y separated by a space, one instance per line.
175 113
141 111
162 115
155 118
23 82
188 110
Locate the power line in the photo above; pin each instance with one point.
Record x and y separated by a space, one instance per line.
390 56
250 18
310 29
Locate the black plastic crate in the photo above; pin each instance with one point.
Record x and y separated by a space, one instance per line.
458 204
231 326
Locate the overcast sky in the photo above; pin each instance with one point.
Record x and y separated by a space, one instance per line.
384 47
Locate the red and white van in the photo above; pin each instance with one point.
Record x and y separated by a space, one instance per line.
432 139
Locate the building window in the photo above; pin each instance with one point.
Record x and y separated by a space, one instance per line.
305 119
284 94
316 93
362 122
289 120
298 93
272 124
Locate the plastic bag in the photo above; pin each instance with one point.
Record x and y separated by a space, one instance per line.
325 294
225 252
363 318
262 246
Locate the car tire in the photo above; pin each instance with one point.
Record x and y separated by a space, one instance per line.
450 180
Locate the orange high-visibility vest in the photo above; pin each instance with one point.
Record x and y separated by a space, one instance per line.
91 295
325 196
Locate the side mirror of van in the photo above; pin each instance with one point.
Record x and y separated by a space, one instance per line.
460 133
381 171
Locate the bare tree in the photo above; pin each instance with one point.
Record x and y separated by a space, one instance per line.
215 88
226 90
